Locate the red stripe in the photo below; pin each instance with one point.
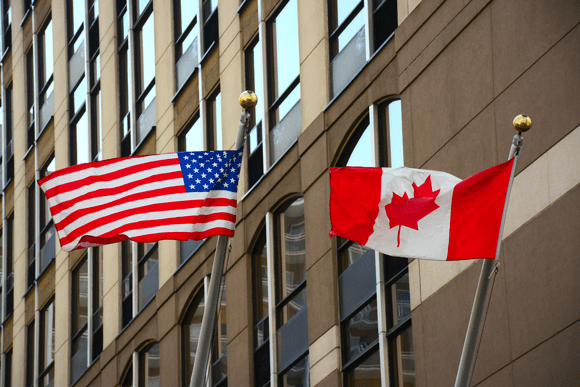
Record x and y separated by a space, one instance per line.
476 211
108 177
182 236
154 218
355 193
59 207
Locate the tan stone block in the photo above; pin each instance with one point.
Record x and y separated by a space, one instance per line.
19 358
412 5
415 283
168 260
111 266
61 364
402 10
529 195
228 16
435 274
111 315
324 345
229 34
163 28
107 18
229 50
314 88
231 87
60 83
563 165
110 99
312 22
325 367
62 310
165 78
167 142
59 32
61 150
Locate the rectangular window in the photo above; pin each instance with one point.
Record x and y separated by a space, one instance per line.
284 80
214 121
1 268
149 362
185 31
45 73
210 24
47 230
8 131
385 21
30 96
7 26
148 272
76 22
30 354
127 286
79 320
261 306
79 126
254 82
31 234
47 347
8 369
9 285
123 25
97 286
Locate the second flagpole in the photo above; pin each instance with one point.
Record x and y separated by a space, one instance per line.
247 100
522 123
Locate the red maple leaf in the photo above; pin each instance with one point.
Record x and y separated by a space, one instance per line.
403 211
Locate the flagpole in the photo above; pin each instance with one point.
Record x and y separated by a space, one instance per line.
247 100
522 123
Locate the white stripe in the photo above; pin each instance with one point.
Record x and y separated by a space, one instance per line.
101 185
103 170
143 203
189 228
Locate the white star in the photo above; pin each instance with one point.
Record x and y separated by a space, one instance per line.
221 169
197 181
205 186
239 154
225 153
200 157
219 180
195 170
205 153
215 164
192 186
211 181
193 160
239 165
226 185
201 164
188 166
233 169
185 158
190 176
216 174
209 169
232 180
191 154
203 175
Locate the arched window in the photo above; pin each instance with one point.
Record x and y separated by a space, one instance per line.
377 141
280 303
149 366
190 329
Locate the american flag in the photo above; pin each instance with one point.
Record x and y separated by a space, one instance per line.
183 195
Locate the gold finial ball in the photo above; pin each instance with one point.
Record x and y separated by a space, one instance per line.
248 99
522 123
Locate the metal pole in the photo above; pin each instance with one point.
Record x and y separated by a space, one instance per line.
206 330
475 327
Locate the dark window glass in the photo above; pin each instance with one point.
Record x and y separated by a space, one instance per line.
148 272
9 128
210 23
123 25
128 380
96 126
30 354
145 57
45 61
385 21
190 333
261 328
367 373
47 229
127 286
149 361
391 134
97 286
76 20
8 369
31 234
30 96
220 341
254 82
9 285
6 25
402 358
292 249
185 31
214 121
298 375
79 323
47 346
361 331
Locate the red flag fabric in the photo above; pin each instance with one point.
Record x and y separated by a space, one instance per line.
181 196
416 213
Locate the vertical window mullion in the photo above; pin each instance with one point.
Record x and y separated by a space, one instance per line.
131 75
89 306
382 319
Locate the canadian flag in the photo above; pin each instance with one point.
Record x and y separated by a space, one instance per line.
417 213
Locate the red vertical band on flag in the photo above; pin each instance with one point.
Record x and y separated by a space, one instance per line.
354 202
476 211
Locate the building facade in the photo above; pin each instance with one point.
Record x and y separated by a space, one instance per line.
427 84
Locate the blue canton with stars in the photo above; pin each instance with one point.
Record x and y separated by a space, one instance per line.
211 170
